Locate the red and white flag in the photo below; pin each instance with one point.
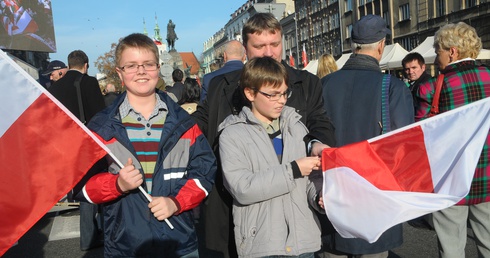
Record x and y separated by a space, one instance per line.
304 57
291 59
428 166
44 152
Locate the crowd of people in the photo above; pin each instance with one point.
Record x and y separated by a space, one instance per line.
243 151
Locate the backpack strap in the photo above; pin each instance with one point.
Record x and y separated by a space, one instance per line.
79 96
385 104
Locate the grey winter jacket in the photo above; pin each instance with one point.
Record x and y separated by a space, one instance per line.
271 211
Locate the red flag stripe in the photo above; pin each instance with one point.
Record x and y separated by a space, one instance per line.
42 159
396 168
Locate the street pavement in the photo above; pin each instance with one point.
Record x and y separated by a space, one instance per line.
57 235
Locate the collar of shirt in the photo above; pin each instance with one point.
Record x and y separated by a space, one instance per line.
272 127
461 60
125 108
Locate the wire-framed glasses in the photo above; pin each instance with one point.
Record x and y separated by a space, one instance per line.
132 68
276 96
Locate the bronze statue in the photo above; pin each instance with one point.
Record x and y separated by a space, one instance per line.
171 35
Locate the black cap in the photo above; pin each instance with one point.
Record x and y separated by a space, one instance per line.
53 66
369 29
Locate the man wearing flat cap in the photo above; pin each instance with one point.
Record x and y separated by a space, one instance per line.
56 69
363 103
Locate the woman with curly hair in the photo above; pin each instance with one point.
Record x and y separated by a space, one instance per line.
457 46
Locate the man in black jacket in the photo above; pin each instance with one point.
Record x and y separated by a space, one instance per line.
262 36
92 102
414 68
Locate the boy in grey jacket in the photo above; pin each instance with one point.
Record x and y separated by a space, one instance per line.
266 170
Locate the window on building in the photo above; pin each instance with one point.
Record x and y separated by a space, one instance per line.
348 5
361 2
469 3
404 12
348 31
386 17
440 8
332 1
337 48
334 21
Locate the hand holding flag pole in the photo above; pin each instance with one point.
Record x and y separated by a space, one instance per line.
148 197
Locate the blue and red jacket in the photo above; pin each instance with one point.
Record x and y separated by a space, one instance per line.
185 171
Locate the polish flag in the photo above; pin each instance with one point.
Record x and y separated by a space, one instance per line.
304 57
291 59
44 152
428 166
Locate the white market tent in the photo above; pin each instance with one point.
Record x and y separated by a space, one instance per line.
341 61
426 49
392 56
312 66
389 60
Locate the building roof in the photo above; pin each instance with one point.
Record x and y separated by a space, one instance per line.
189 59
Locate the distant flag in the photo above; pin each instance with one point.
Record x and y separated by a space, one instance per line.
304 57
44 152
291 59
415 170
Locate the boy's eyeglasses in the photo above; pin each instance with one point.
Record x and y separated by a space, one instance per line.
132 68
276 97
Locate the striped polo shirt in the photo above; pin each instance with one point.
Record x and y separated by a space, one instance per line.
144 134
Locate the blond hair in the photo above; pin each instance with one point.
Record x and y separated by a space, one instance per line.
461 36
326 65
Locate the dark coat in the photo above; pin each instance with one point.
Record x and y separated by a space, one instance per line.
110 97
352 98
229 66
64 90
177 89
224 99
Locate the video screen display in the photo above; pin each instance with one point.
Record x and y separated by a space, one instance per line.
27 25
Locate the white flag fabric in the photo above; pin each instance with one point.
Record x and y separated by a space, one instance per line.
427 166
44 152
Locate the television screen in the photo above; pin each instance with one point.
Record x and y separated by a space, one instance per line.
27 25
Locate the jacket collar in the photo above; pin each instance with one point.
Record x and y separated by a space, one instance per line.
361 62
246 116
103 122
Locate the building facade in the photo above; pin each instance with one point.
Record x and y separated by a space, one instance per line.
213 47
324 26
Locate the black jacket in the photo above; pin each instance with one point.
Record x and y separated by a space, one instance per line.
223 99
64 90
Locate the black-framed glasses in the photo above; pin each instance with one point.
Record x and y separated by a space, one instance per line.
277 96
132 68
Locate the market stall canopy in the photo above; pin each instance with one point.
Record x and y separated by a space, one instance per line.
426 49
392 56
312 66
341 61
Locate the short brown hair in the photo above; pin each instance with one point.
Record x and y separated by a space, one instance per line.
262 71
77 59
259 23
136 40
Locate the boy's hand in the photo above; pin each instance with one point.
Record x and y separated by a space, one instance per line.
162 207
308 164
320 203
129 177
